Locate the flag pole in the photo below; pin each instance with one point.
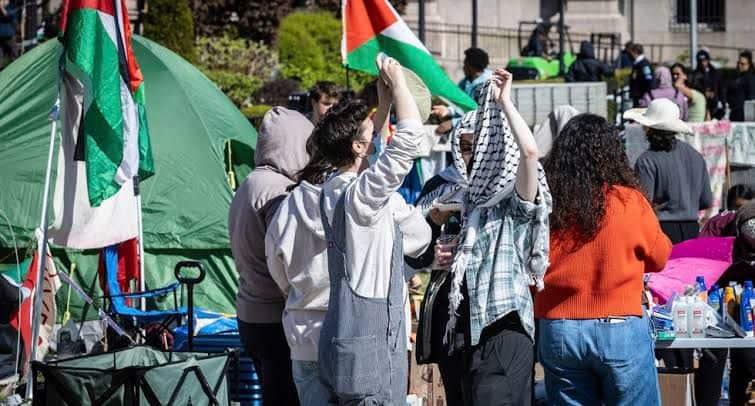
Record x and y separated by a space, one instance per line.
348 82
142 285
41 251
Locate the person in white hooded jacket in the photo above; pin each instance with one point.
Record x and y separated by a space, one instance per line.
297 258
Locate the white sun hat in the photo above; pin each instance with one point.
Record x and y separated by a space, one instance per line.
662 114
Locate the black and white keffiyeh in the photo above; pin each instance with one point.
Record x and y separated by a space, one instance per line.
492 179
456 179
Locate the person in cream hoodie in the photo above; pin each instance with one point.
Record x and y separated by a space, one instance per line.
297 259
297 243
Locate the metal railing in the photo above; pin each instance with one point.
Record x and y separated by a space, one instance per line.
711 15
447 43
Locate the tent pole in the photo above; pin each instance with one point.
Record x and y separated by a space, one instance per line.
142 285
41 252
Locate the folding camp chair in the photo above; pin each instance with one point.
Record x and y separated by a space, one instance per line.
118 307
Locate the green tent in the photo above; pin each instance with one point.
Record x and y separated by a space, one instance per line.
197 135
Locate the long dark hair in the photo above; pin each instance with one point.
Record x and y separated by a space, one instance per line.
317 169
587 158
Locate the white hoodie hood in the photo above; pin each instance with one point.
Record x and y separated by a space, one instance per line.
305 200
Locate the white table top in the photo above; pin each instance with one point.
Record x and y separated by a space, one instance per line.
706 343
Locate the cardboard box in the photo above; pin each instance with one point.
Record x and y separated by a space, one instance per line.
677 389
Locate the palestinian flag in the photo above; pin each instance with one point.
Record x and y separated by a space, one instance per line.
106 112
374 26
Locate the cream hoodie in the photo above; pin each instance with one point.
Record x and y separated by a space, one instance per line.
297 259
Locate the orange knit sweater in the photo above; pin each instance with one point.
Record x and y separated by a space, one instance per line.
604 276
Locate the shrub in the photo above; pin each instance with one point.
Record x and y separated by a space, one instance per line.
237 55
239 87
170 23
309 47
237 66
255 113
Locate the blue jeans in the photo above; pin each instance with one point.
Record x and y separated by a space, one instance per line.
592 362
307 380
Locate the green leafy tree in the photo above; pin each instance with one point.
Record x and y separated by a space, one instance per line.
334 6
259 20
256 20
237 66
309 48
170 23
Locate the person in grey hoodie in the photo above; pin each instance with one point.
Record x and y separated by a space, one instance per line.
281 153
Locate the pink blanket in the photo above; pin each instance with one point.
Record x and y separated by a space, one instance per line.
706 257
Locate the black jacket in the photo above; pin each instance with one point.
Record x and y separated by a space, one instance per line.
642 79
427 258
587 68
740 89
703 80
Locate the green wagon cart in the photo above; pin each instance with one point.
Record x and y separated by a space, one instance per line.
135 376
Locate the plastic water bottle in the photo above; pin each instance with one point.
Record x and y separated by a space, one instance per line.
714 299
745 309
680 310
697 319
701 288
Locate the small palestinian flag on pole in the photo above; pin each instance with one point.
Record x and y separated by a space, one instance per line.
111 132
374 26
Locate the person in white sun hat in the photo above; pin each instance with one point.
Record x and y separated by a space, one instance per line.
672 173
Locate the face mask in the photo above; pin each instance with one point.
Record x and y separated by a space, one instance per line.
377 142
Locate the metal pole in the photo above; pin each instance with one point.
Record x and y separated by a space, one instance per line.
474 23
561 65
142 284
693 33
631 20
422 21
23 26
42 249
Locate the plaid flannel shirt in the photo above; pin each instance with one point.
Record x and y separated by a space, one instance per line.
501 284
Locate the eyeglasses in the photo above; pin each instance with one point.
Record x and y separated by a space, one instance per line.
466 148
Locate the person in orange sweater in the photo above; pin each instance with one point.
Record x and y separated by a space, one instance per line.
594 343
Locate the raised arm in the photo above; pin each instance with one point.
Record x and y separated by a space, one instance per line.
385 97
526 177
383 178
392 74
681 86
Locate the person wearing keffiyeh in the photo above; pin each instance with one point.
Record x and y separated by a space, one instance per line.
503 248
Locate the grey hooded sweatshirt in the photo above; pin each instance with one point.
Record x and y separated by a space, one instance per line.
281 153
